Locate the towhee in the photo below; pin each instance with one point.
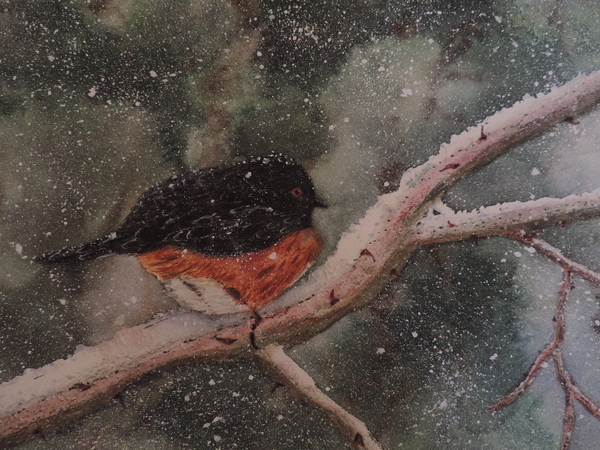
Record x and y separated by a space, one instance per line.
222 240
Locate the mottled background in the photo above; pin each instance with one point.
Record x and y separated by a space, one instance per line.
101 99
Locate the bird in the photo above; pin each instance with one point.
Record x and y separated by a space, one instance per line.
221 240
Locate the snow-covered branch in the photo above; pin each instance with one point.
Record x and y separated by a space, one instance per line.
507 218
283 369
31 404
366 258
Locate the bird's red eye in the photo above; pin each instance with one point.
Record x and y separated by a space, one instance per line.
297 192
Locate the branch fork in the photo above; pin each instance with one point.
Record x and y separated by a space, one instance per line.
554 348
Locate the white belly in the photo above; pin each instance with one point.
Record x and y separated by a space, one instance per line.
205 295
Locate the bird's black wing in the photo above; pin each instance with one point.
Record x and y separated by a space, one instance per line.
151 220
193 211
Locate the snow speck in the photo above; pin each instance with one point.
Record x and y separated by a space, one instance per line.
153 74
535 171
211 382
381 69
517 254
273 255
217 438
19 248
248 175
380 351
62 301
258 53
415 334
279 417
498 18
530 249
119 321
493 357
92 92
187 398
346 119
406 92
51 58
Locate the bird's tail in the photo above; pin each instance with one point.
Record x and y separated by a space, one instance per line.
91 250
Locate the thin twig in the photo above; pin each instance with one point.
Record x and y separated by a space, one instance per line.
555 254
550 349
282 368
572 391
528 380
567 383
588 404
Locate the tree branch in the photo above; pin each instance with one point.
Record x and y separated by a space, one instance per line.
41 399
507 218
273 360
543 248
366 258
551 349
554 348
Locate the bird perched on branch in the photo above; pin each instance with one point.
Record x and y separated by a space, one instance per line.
222 240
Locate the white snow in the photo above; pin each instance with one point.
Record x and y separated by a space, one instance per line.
90 363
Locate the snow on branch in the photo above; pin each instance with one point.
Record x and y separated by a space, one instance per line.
507 218
366 258
282 368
